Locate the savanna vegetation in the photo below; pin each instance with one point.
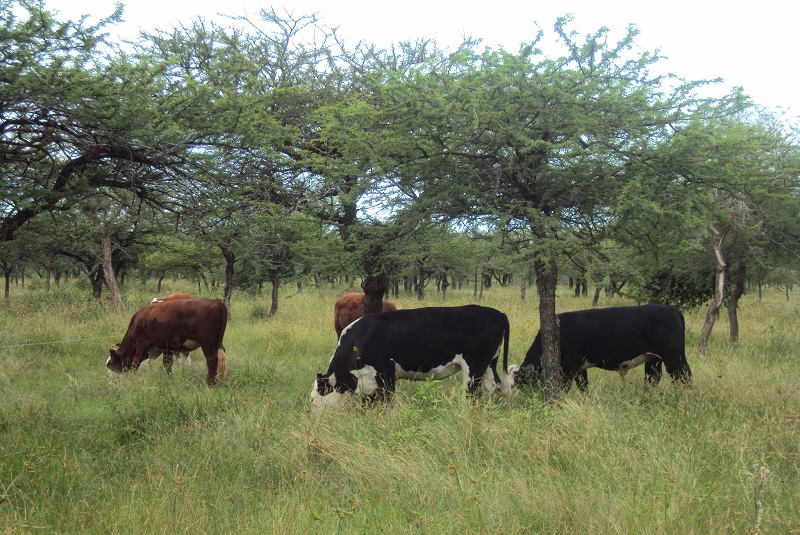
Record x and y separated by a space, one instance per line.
270 163
143 453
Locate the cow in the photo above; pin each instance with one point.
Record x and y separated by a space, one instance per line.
617 338
415 344
350 307
182 325
170 355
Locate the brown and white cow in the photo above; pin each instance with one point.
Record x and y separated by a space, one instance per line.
174 326
350 307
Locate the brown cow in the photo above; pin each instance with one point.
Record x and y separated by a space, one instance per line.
350 307
169 356
182 325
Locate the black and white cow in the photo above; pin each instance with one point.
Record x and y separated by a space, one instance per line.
415 344
618 338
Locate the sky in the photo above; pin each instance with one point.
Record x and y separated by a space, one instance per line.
752 44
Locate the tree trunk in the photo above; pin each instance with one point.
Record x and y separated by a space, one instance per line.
444 284
96 278
596 297
523 287
733 302
230 260
546 282
374 287
273 277
719 289
318 284
108 273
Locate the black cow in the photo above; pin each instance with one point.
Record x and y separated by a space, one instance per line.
618 338
415 344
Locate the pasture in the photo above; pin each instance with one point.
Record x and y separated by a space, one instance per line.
142 453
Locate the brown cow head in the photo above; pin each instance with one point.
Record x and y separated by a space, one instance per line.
119 360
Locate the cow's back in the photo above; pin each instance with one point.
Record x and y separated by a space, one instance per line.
415 336
652 328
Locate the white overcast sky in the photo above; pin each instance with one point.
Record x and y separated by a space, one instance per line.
748 44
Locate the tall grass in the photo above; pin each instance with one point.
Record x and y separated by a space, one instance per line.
143 453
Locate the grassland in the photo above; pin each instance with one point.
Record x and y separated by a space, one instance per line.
142 453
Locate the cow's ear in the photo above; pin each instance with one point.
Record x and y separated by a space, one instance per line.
320 375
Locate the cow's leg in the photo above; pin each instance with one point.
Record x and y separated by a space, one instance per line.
212 361
679 370
167 361
582 381
142 354
473 383
652 371
386 383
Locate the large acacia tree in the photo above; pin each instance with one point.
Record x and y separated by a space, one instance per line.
543 145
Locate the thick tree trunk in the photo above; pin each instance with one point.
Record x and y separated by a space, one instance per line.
374 287
546 282
596 297
733 302
719 289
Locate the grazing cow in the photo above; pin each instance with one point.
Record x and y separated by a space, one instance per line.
350 307
618 338
414 344
182 325
170 355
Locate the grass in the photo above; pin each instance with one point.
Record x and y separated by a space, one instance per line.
84 453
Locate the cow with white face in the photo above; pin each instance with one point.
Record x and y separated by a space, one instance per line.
415 344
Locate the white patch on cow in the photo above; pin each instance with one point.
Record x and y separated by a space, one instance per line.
626 366
366 385
488 376
510 379
366 377
332 399
488 381
439 372
586 365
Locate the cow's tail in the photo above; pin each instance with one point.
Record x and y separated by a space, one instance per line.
505 380
222 362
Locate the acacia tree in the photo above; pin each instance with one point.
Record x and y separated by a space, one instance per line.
77 116
543 145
